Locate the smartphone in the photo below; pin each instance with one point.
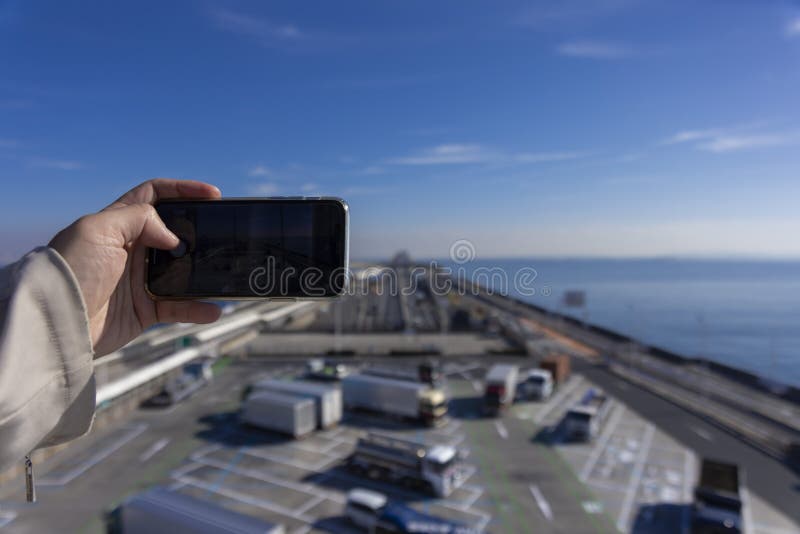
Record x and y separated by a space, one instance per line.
252 248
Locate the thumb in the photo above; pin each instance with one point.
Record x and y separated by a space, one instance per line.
139 224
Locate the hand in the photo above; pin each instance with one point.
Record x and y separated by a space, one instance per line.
106 252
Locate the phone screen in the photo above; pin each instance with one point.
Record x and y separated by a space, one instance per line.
290 248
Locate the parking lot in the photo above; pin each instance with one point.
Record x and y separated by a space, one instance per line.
522 474
642 478
303 484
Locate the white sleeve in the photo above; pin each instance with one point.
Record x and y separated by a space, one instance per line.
47 389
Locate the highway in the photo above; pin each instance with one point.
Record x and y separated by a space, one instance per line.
772 480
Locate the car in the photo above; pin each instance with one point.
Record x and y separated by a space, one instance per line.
537 384
364 507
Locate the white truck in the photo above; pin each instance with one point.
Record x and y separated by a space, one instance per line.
327 398
161 510
500 387
583 421
537 384
399 398
433 468
288 414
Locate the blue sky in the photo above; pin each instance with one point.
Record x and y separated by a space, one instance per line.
607 128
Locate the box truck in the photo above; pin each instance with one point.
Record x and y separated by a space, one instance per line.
558 365
327 398
281 412
500 387
161 510
399 398
583 421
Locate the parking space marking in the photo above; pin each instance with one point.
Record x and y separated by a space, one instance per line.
636 478
310 489
688 472
541 502
598 449
287 461
610 486
311 503
501 429
476 494
95 459
6 517
558 398
747 512
154 448
247 499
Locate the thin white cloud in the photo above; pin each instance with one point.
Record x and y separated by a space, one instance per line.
259 29
58 164
309 187
730 143
594 50
793 28
445 154
686 136
455 153
259 170
265 189
721 140
8 143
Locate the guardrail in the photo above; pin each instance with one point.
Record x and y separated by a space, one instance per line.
204 338
767 440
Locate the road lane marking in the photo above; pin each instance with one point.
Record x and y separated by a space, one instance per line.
154 448
611 426
556 400
501 429
702 433
541 502
636 478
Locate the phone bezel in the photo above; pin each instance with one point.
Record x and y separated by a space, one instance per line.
345 208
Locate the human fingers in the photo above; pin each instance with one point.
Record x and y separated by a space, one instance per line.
151 191
135 224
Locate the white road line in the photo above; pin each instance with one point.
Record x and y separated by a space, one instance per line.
154 448
241 497
688 474
311 503
747 511
557 399
636 478
611 426
310 489
6 517
541 502
702 433
69 476
501 429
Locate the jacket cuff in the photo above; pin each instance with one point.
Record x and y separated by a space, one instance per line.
59 359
